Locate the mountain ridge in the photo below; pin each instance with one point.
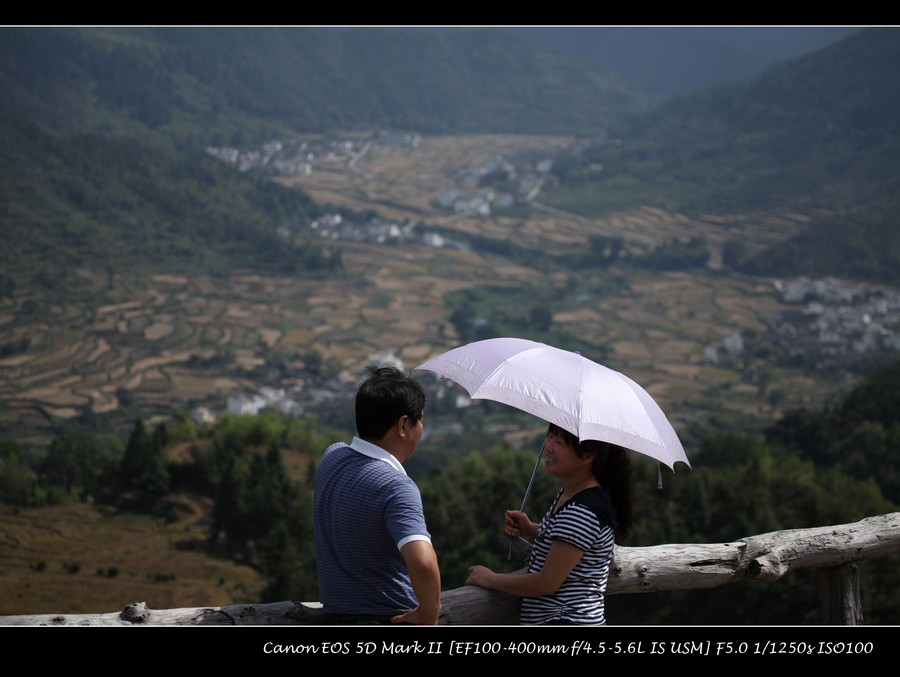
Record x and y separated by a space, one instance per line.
189 83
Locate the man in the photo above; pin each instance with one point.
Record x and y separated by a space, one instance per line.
374 556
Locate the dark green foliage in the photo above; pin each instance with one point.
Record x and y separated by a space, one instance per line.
17 482
144 466
136 207
831 467
605 250
861 243
741 488
465 501
251 495
76 461
223 85
288 552
734 253
426 80
860 438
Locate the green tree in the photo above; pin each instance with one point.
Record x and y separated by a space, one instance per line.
76 461
734 253
17 482
144 464
288 551
230 510
252 495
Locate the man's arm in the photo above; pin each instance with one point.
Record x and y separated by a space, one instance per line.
421 561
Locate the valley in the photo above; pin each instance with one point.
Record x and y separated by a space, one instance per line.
131 346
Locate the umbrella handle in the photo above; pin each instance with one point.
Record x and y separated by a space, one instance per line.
527 492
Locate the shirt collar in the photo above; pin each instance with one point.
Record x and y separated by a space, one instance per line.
374 451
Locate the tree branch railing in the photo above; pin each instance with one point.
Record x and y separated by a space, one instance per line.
833 550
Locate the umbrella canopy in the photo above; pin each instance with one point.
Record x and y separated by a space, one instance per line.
564 388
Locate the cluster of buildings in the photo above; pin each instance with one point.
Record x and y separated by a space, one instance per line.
836 323
298 157
498 183
294 397
337 227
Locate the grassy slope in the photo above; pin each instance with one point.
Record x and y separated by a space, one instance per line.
164 566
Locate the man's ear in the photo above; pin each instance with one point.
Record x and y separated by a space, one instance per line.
403 425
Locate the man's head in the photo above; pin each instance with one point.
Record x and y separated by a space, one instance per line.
385 397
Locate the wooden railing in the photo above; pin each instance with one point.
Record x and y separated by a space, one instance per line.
835 551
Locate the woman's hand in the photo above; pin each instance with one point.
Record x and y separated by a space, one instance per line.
480 576
516 523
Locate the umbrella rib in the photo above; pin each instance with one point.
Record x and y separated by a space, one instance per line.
503 363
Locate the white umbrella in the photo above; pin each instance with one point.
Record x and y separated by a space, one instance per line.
589 400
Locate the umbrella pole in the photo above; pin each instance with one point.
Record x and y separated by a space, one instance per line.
527 492
531 481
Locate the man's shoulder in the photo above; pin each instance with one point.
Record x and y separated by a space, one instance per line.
347 459
335 447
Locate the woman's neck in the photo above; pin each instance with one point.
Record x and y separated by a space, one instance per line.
577 484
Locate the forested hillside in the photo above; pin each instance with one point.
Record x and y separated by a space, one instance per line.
218 86
117 204
819 133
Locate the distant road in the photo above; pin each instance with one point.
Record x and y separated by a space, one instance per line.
355 158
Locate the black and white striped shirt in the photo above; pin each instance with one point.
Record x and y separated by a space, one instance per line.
586 521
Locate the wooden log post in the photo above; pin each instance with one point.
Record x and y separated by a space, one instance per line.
839 588
835 550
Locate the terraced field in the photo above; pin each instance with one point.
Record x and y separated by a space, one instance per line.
180 340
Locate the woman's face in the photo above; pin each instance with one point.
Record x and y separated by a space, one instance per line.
560 458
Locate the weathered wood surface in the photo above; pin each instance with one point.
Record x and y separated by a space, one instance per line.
463 606
839 588
767 557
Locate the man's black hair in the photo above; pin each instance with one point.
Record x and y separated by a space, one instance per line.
385 396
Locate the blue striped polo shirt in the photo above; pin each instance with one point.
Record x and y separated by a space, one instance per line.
366 509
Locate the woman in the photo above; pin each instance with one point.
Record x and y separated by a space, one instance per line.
573 545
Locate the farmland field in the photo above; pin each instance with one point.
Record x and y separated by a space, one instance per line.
178 340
